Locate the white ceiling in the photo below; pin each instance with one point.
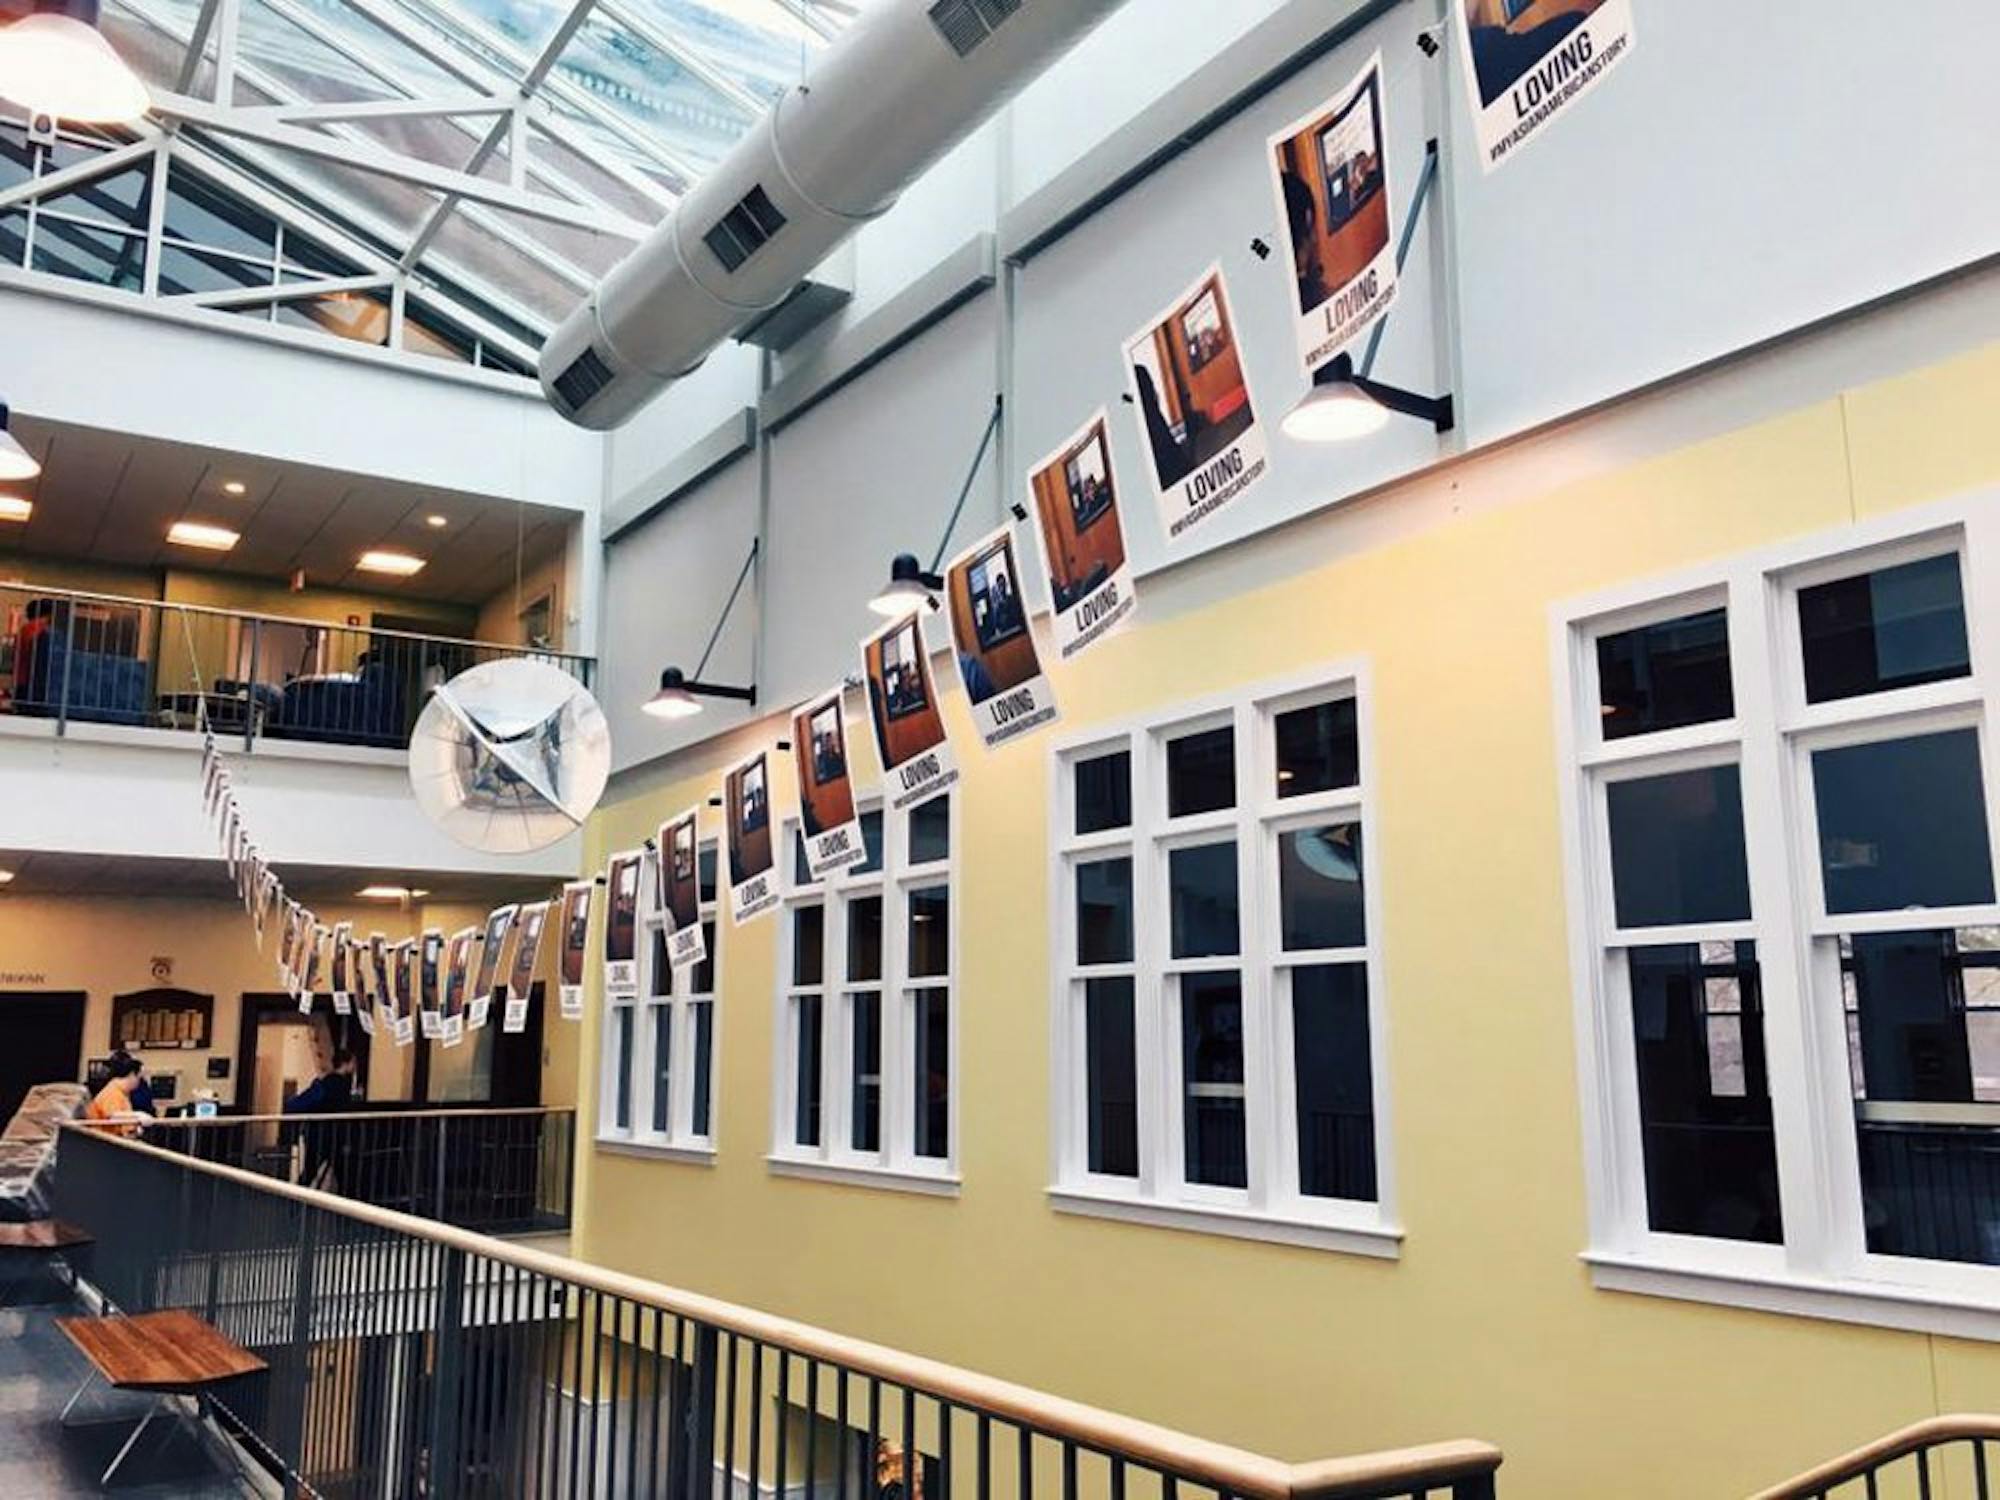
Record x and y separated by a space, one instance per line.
45 874
108 497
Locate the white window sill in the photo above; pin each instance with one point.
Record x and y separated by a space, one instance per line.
935 1184
1797 1294
1381 1241
632 1145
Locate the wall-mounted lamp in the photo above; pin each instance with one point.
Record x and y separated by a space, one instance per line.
911 586
680 696
16 462
1344 404
54 61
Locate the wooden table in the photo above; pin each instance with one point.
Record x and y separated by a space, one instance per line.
168 1354
44 1239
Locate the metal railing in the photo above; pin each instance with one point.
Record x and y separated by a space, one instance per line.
1947 1455
409 1358
498 1171
100 658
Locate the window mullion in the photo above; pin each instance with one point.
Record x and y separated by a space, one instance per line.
1157 1115
1256 941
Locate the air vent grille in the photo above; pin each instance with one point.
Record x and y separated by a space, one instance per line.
966 24
586 376
745 229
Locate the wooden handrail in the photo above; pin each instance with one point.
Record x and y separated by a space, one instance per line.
1236 1471
1954 1427
357 1114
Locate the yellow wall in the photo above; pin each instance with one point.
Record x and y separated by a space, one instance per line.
106 947
1488 1326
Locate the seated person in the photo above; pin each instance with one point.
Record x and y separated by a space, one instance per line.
113 1105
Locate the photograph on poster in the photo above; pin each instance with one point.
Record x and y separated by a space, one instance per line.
680 897
340 971
1332 186
917 761
457 972
430 983
621 920
1191 399
997 659
488 977
527 956
746 798
315 971
573 933
828 827
1528 61
380 984
1082 539
403 1003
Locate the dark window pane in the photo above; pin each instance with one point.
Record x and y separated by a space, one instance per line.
198 271
1202 890
13 238
120 199
1335 1082
1319 748
1892 628
704 1068
1677 848
806 1082
101 256
808 944
1319 887
865 1070
207 216
1665 675
864 938
1104 912
17 157
930 831
622 1115
930 932
704 873
1212 1079
801 871
663 1065
1111 1079
1104 793
1201 772
302 254
933 1081
662 970
1902 823
871 841
1704 1104
704 972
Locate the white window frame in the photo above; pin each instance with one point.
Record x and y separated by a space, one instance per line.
896 1165
1270 1207
1822 1269
679 1140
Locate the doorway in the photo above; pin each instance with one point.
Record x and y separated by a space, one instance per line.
279 1051
44 1043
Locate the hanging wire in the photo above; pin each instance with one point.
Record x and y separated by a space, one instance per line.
741 578
971 477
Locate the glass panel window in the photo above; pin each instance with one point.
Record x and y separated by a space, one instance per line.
1334 1081
1104 912
1902 823
1202 888
1201 772
1212 1080
1104 792
1319 887
704 1068
1677 848
1112 1081
1319 748
808 945
704 866
864 939
1892 628
930 932
930 831
807 1060
622 1115
865 1070
1665 675
871 842
662 1046
104 257
932 1054
663 1066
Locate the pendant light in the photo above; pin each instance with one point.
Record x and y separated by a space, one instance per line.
55 61
16 462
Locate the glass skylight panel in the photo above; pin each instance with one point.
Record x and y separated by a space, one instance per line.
655 91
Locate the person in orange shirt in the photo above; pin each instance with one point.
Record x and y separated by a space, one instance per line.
113 1105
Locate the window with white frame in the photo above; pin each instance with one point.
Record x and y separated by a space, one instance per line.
1782 808
867 1056
1217 986
659 1045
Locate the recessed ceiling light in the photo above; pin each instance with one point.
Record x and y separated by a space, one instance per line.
14 508
389 893
436 521
234 487
6 876
399 563
198 534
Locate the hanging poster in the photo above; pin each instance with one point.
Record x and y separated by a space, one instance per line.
289 945
341 977
457 971
1082 540
680 893
487 979
1195 416
1333 197
380 1000
315 971
527 956
362 996
403 995
827 822
917 763
621 922
753 876
430 984
267 890
575 935
1527 63
997 659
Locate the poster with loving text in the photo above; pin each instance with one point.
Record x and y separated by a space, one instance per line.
527 955
361 997
746 802
457 973
341 977
1081 535
1330 173
827 820
1205 448
1525 65
487 979
994 642
621 922
574 935
917 760
315 973
403 999
680 889
430 984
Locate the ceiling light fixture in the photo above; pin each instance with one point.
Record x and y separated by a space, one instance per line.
436 523
911 586
14 508
390 893
1344 405
234 487
56 62
680 696
398 564
16 462
6 877
200 534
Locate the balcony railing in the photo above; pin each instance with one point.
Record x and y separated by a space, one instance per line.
1948 1455
409 1358
102 659
499 1171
